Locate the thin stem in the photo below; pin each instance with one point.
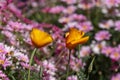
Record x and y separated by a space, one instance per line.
64 76
41 72
79 51
59 58
88 77
90 67
68 66
31 60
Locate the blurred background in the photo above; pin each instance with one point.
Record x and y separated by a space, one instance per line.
98 59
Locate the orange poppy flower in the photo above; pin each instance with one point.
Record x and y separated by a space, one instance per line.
75 37
40 38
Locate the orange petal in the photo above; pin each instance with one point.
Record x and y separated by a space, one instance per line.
74 34
71 46
66 35
80 41
40 38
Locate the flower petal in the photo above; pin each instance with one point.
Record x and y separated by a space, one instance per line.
40 38
80 41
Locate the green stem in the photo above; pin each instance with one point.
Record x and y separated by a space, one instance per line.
68 66
41 72
88 77
90 67
13 78
79 51
31 59
64 76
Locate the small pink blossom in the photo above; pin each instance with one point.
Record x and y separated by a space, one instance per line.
85 26
98 3
3 76
102 35
115 55
23 58
56 9
75 63
48 77
3 4
73 77
107 50
106 25
26 65
97 47
69 1
69 10
85 51
85 5
49 67
112 3
2 49
8 34
4 61
116 77
78 17
65 19
117 25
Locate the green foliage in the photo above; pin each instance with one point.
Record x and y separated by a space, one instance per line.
101 68
81 75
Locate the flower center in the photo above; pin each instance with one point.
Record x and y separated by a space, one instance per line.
2 62
1 50
116 54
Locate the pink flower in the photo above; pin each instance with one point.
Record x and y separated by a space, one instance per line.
85 5
98 3
65 19
85 51
112 3
5 62
2 49
21 57
3 4
106 25
56 9
60 47
8 34
96 47
9 1
70 1
14 9
115 55
27 38
117 25
49 67
75 63
26 65
9 50
49 70
46 10
15 26
69 10
107 50
73 77
85 26
48 77
116 77
78 17
3 76
102 35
